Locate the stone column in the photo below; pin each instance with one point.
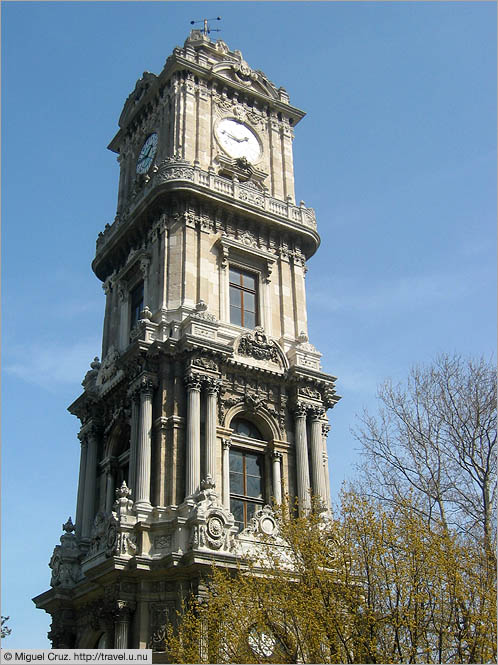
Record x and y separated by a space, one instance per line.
134 429
325 431
212 386
122 624
316 445
302 466
124 315
277 476
81 486
144 448
90 482
226 473
193 439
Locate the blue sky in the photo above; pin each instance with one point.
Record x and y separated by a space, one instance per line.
397 154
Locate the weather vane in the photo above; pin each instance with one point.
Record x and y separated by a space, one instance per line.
207 29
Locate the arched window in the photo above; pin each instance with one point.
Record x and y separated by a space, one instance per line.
246 474
245 427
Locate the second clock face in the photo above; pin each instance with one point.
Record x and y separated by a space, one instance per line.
238 140
147 154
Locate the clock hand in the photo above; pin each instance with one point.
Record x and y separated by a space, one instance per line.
234 138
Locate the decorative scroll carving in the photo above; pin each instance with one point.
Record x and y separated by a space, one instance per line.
109 367
263 523
311 393
211 523
110 538
205 363
257 345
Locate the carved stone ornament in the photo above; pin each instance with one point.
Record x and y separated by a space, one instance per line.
205 363
110 538
64 562
305 344
201 312
257 345
253 402
311 393
161 614
123 504
211 523
109 368
91 376
263 523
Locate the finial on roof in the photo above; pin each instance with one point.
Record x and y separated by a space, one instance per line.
207 29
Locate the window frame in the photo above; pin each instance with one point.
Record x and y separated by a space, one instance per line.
243 271
245 498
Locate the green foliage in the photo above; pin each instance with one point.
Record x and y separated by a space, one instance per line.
368 585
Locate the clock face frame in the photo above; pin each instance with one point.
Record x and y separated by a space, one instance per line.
238 140
147 153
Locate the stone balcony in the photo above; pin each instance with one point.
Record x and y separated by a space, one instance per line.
177 174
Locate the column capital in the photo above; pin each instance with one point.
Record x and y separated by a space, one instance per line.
146 385
123 609
226 443
276 456
90 430
300 409
192 381
325 429
316 412
212 384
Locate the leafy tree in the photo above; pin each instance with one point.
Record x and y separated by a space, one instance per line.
435 437
371 584
5 630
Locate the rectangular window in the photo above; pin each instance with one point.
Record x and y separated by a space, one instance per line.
136 304
246 485
243 298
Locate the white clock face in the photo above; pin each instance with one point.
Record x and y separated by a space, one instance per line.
147 154
238 140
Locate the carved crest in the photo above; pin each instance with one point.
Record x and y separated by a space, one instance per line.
257 345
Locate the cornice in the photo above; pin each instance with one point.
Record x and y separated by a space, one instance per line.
178 176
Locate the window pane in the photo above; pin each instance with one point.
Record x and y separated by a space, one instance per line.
237 509
249 320
253 465
254 488
236 483
234 276
249 302
235 315
235 461
249 281
235 298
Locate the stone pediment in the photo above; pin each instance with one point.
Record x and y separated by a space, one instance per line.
142 87
238 71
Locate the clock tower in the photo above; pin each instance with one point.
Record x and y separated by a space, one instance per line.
208 404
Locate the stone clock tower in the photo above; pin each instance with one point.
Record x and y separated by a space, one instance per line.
209 403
